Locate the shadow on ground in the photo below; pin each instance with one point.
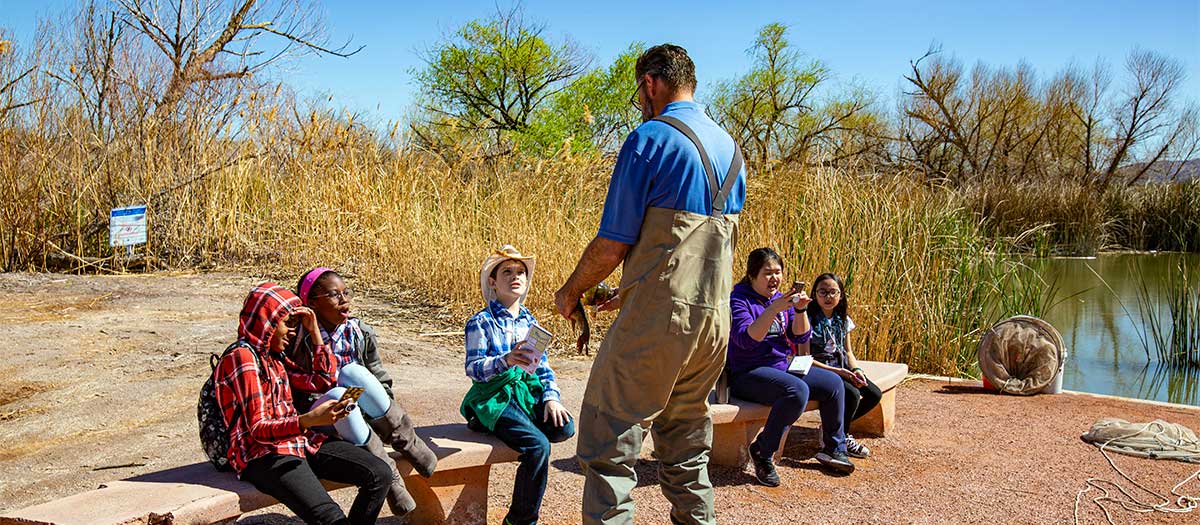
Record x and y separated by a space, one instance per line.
275 518
964 389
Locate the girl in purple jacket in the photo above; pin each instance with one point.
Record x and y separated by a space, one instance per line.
764 329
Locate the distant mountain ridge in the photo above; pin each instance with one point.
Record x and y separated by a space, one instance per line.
1162 171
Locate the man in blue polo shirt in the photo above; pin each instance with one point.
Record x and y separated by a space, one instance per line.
671 216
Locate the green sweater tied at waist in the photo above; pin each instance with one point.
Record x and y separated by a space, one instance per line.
487 400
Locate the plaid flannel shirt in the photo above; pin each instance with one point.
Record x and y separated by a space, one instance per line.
341 341
268 422
491 334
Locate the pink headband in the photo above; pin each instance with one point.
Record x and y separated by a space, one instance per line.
308 280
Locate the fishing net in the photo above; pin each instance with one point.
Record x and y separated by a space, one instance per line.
1021 355
1157 439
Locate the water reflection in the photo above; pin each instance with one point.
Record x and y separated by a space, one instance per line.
1181 383
1098 314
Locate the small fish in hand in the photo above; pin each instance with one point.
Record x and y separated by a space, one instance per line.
579 320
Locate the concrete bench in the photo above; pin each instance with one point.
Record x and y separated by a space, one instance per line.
737 422
198 494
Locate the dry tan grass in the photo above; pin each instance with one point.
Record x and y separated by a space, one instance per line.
318 189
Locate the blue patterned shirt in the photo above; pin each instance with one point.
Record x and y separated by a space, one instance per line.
828 341
342 340
491 334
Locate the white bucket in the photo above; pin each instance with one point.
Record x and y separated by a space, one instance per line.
1055 386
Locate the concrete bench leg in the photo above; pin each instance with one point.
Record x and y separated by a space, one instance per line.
456 497
731 442
880 420
783 443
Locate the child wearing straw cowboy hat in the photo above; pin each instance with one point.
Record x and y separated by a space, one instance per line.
523 409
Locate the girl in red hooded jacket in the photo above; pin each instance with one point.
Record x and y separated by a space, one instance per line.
270 444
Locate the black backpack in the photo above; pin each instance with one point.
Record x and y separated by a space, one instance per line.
214 433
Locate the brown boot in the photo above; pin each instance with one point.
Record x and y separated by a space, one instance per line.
396 428
398 498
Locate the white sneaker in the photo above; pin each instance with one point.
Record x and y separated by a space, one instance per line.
856 449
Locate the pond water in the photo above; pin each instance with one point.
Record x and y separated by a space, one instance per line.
1103 327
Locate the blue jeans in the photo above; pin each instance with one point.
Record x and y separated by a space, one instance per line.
373 403
375 400
788 394
532 439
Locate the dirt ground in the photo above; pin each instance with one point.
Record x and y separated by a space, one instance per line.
102 373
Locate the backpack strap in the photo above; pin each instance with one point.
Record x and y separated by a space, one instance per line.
213 360
719 192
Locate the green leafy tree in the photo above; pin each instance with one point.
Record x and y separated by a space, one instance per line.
593 113
775 110
495 74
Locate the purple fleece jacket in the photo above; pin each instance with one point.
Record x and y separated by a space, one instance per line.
745 353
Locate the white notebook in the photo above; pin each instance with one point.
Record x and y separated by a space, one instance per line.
800 364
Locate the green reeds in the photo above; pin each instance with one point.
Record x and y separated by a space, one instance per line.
1071 218
1181 384
1170 312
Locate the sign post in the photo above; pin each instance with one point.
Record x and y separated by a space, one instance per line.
127 227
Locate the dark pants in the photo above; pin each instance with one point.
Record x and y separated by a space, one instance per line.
788 395
860 400
294 481
532 439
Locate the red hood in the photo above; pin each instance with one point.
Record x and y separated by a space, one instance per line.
266 304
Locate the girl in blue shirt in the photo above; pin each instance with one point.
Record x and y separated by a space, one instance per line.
830 348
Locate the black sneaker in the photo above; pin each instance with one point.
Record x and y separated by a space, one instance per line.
856 449
837 461
764 468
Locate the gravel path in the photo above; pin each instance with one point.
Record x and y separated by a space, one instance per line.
101 374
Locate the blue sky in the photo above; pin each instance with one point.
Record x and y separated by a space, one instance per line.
867 42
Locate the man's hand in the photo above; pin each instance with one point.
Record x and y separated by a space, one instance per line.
565 302
612 304
599 259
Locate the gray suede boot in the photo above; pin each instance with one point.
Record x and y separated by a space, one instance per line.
398 498
396 428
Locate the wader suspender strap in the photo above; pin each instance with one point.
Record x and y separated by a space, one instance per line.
735 167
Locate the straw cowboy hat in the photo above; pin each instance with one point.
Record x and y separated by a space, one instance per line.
505 253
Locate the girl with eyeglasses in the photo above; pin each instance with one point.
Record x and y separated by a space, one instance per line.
830 348
376 419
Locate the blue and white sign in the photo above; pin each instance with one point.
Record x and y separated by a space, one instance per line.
127 226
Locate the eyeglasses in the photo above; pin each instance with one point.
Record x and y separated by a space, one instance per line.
635 100
338 296
829 293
